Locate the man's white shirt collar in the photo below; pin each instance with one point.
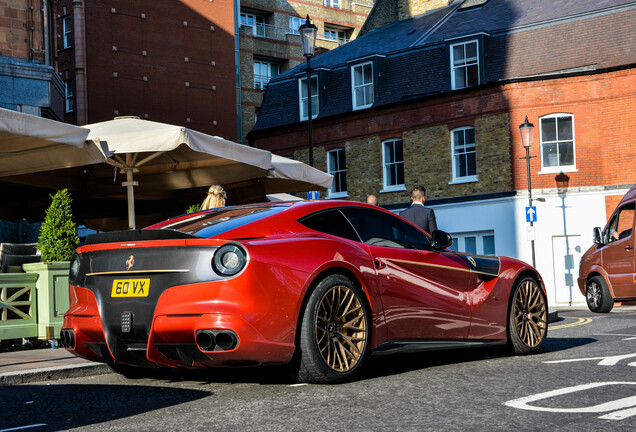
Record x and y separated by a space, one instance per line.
417 202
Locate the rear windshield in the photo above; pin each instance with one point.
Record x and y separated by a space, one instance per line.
224 219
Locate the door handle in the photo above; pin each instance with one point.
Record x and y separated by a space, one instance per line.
629 247
379 264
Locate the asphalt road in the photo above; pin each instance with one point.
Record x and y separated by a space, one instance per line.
583 380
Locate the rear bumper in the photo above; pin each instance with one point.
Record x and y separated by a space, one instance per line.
171 341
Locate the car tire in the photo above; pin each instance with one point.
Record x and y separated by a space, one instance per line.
335 332
597 295
527 316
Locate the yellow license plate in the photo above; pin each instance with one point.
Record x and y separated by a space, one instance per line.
130 288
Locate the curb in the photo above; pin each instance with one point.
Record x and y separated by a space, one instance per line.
51 374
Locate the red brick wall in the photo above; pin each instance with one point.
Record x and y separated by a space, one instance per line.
604 127
14 34
147 74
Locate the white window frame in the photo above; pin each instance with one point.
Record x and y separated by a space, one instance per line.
294 23
557 168
354 87
335 34
459 241
455 154
257 23
465 64
261 79
68 96
302 101
335 171
387 164
66 29
337 4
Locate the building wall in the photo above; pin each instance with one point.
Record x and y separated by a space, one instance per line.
164 61
28 80
283 47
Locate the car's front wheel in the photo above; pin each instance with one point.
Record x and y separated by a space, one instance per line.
597 295
528 317
335 332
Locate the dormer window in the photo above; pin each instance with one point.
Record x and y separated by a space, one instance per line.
302 91
362 85
464 59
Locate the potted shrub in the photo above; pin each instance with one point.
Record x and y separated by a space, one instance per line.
58 239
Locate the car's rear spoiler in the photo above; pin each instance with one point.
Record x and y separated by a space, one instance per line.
137 235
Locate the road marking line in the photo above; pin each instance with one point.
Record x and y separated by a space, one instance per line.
581 321
23 427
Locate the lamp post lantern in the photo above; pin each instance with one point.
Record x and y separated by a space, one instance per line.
526 129
308 40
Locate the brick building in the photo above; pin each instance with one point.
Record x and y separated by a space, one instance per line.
164 61
28 80
270 45
437 99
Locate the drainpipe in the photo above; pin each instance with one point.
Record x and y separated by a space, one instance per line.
81 90
237 63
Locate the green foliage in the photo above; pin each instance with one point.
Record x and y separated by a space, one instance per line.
58 237
194 208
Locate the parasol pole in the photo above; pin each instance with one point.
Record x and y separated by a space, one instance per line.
130 184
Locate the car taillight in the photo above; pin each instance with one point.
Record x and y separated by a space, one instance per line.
229 260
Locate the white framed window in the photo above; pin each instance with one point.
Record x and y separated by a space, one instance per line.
263 72
333 3
362 85
339 36
302 91
294 24
464 64
68 96
393 165
66 28
337 166
255 22
557 143
478 242
464 155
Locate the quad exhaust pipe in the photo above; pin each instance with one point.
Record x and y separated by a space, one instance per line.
67 337
216 340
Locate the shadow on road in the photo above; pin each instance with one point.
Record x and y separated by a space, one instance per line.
62 407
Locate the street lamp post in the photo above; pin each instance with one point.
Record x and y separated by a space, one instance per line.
308 40
526 129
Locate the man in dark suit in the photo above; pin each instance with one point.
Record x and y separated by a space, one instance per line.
421 216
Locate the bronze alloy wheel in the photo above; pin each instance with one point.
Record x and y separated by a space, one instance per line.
530 313
341 328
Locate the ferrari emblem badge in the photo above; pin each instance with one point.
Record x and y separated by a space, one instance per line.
130 262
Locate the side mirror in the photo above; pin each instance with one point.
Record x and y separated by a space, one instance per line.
441 240
597 235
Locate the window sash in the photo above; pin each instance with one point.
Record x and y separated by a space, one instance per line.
557 141
465 64
255 22
68 96
294 24
302 90
464 154
393 163
66 26
337 166
362 85
264 72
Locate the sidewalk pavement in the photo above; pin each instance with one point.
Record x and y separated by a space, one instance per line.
28 365
44 364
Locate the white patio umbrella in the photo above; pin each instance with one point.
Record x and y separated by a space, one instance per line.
149 151
290 175
30 144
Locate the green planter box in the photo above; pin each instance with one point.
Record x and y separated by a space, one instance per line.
52 296
18 317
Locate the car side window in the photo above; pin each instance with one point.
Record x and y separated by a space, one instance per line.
381 229
621 224
331 222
